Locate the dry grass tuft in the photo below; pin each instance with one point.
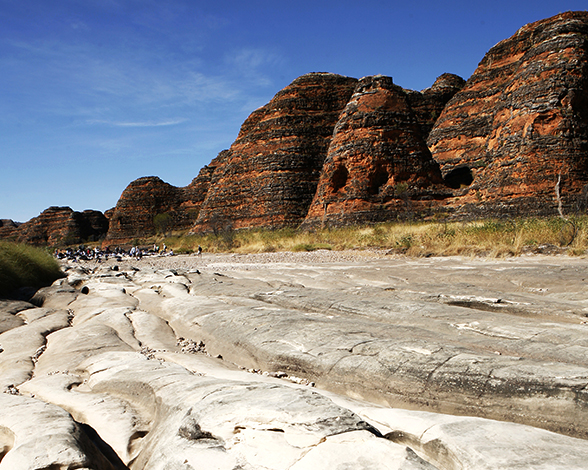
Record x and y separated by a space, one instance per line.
25 266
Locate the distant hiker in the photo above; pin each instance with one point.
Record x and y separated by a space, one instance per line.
199 250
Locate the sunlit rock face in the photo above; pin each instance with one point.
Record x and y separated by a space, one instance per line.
271 172
520 122
195 193
139 204
62 225
378 165
149 205
329 149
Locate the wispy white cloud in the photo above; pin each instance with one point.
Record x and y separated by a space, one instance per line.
248 59
253 63
137 124
134 78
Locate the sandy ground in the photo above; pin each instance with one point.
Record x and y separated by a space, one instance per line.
225 260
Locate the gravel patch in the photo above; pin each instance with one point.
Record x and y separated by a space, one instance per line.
233 261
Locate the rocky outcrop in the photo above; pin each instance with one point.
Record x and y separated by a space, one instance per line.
329 149
378 165
520 123
143 367
8 229
195 193
270 173
149 205
427 105
58 226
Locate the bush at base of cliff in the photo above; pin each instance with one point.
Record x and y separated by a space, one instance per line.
25 266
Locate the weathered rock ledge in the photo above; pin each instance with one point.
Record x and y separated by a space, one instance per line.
150 364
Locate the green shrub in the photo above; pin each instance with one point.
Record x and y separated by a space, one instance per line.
25 266
311 247
163 223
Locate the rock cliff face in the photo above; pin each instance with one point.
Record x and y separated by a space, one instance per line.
61 225
8 229
427 105
269 175
149 205
195 193
378 165
513 139
520 122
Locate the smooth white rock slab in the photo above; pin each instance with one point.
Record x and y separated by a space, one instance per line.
428 330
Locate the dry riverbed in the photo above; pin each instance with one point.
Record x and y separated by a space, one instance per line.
300 360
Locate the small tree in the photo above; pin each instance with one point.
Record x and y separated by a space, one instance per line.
163 223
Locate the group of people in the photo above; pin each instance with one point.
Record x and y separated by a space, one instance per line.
83 253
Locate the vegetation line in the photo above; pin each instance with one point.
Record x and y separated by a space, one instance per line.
490 238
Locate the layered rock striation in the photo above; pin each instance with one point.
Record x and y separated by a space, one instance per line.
8 229
378 165
520 124
149 205
511 140
284 149
427 105
58 226
270 173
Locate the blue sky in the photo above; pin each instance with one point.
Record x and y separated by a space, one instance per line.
97 93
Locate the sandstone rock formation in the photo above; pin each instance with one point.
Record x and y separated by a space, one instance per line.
126 372
271 171
8 229
427 105
512 140
149 205
196 191
58 226
520 122
139 204
378 165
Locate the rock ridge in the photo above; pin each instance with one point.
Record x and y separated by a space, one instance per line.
62 226
328 149
520 125
270 173
378 161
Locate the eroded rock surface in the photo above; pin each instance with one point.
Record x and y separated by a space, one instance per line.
149 205
510 141
8 229
520 123
429 103
57 226
300 361
378 165
270 174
